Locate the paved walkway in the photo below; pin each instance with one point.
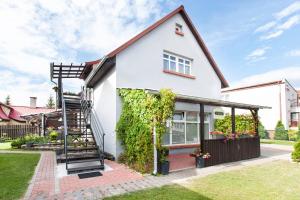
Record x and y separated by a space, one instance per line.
121 180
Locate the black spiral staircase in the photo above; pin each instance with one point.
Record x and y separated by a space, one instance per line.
82 132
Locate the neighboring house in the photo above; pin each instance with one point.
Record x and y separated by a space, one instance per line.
10 116
168 54
32 109
280 95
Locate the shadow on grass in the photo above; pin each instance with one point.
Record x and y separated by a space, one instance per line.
171 192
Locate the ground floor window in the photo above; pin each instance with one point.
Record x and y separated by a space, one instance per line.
184 128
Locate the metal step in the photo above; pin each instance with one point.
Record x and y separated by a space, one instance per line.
87 168
84 161
82 148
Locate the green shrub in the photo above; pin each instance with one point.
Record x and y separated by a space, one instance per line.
28 138
280 132
244 124
261 131
17 143
296 152
293 135
53 135
298 133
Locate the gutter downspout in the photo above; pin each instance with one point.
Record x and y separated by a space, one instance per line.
154 152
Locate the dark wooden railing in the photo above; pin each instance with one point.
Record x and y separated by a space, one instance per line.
231 150
17 130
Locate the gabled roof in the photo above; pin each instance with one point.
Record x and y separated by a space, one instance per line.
179 10
27 110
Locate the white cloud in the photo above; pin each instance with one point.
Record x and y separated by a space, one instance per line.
271 35
37 32
295 53
279 24
292 21
292 74
20 88
294 7
257 54
265 27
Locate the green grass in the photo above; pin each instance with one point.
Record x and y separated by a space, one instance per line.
275 180
16 171
5 145
282 142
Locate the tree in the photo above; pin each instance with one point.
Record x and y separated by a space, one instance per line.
280 132
50 103
7 100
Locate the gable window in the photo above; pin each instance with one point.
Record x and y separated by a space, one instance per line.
177 64
185 128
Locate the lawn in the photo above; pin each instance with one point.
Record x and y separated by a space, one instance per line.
282 142
5 145
275 180
16 171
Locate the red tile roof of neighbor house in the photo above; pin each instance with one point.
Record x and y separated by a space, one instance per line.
188 21
27 110
12 115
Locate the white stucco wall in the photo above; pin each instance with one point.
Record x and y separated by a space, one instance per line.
141 65
105 107
263 96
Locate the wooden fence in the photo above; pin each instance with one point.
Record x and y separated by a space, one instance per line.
231 150
18 130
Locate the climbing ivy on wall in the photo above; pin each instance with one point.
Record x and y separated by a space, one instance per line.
142 111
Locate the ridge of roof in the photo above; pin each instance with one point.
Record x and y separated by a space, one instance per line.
191 26
258 85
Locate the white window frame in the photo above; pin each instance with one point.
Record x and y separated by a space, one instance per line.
185 123
177 58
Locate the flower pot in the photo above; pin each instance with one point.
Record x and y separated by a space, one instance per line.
217 136
164 167
199 162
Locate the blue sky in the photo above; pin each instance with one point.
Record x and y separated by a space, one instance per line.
251 41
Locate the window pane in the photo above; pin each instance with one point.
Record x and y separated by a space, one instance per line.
166 64
172 58
178 136
178 116
166 56
192 116
166 137
187 62
172 66
180 68
191 133
180 60
187 70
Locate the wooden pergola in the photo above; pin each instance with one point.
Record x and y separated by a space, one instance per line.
63 71
221 150
213 102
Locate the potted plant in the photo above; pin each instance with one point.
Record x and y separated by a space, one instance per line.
163 163
200 158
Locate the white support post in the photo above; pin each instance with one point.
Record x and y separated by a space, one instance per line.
154 151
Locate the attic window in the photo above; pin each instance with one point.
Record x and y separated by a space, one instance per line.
178 29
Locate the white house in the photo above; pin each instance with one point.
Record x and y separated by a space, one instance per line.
168 54
280 95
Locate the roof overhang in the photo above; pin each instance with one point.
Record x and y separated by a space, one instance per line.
213 102
100 71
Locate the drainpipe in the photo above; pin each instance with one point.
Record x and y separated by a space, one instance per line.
154 151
